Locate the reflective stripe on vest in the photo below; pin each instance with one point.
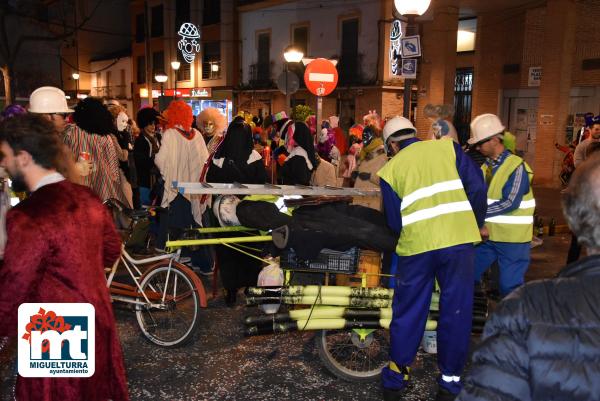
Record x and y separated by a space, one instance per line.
430 191
525 204
515 226
435 211
434 207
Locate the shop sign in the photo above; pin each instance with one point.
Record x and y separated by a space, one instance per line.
535 76
201 92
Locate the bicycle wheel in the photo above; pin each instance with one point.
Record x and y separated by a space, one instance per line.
173 315
354 355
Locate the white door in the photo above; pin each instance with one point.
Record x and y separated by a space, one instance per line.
520 115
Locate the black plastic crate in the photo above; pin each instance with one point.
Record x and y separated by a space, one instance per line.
328 261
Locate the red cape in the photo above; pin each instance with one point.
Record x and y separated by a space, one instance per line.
59 240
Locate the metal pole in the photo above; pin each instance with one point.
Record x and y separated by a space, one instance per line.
408 82
147 55
287 92
175 83
319 110
407 90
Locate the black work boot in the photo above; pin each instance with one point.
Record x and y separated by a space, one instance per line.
393 395
444 395
230 296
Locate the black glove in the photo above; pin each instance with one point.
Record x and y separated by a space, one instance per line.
364 176
354 175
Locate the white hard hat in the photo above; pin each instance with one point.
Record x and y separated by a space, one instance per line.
485 126
398 124
48 100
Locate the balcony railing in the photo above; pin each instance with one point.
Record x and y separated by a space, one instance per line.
260 75
113 91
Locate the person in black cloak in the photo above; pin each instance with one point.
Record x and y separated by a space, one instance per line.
301 161
236 161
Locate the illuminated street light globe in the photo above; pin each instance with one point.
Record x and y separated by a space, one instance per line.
75 76
175 65
292 54
412 7
160 77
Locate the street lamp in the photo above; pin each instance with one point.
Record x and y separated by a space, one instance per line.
162 78
291 54
175 66
411 9
75 76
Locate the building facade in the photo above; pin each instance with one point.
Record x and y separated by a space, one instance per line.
113 79
536 65
351 32
100 32
208 79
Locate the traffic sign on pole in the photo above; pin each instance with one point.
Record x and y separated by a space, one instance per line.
321 77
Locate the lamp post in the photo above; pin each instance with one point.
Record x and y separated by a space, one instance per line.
291 54
175 66
75 76
162 78
411 9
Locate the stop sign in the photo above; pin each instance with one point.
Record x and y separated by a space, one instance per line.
320 77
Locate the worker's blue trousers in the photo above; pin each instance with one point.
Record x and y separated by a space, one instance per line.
453 269
513 261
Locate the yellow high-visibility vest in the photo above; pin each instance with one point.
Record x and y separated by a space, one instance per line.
435 210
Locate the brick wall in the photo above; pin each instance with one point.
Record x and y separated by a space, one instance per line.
488 63
587 42
533 44
559 38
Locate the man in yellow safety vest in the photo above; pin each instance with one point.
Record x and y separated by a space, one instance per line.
509 219
434 199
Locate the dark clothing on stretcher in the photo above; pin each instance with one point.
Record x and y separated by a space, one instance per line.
337 226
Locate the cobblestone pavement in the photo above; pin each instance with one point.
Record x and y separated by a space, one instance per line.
223 365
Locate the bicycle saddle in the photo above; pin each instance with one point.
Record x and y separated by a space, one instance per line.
122 208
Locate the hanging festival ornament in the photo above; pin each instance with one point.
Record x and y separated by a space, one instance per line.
395 47
188 44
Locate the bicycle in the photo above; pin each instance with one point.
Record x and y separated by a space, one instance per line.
166 294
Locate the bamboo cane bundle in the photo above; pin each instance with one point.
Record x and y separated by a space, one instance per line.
324 324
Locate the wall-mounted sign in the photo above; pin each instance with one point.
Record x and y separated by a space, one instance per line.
188 44
535 76
411 46
409 68
546 119
395 47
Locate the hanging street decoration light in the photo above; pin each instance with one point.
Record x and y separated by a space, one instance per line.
395 47
188 44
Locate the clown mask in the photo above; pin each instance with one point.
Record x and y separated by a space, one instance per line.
324 135
209 128
122 120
